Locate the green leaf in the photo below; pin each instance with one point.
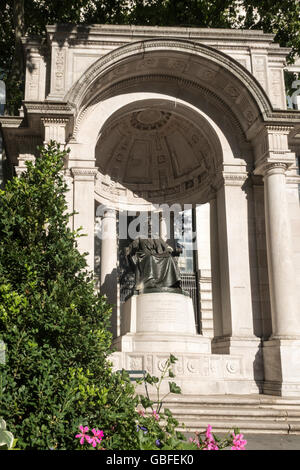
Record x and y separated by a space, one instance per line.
174 388
173 359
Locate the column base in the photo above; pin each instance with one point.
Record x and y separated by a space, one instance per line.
249 348
281 365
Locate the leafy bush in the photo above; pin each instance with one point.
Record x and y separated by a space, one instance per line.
156 429
55 327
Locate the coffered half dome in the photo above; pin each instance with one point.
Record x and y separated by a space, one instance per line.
156 153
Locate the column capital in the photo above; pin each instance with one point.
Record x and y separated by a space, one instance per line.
84 174
271 167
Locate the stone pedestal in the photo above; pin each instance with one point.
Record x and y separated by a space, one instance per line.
161 322
155 325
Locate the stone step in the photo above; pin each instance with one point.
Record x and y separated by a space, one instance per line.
234 400
251 427
250 413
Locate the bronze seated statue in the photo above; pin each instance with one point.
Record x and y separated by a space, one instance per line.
153 261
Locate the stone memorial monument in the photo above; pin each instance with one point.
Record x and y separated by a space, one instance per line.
158 116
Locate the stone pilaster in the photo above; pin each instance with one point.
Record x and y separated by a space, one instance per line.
232 213
235 333
84 206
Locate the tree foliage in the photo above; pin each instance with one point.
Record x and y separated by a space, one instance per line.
55 327
274 16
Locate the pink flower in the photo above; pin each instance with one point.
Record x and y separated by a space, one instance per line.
141 412
208 433
210 443
211 446
82 436
238 442
97 438
156 415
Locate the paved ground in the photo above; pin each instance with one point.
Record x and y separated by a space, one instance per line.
268 441
272 442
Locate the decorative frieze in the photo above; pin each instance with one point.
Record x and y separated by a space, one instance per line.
33 80
59 73
209 366
259 64
276 88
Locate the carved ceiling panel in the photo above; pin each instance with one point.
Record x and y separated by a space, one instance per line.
154 153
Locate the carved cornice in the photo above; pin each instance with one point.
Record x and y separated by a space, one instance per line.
48 108
288 116
11 121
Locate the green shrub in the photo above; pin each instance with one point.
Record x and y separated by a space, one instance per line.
55 327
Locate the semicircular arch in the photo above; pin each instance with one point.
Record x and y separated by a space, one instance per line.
180 60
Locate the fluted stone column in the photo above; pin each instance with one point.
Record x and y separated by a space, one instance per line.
84 207
285 315
282 350
108 264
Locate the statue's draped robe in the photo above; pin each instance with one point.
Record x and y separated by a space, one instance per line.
154 264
